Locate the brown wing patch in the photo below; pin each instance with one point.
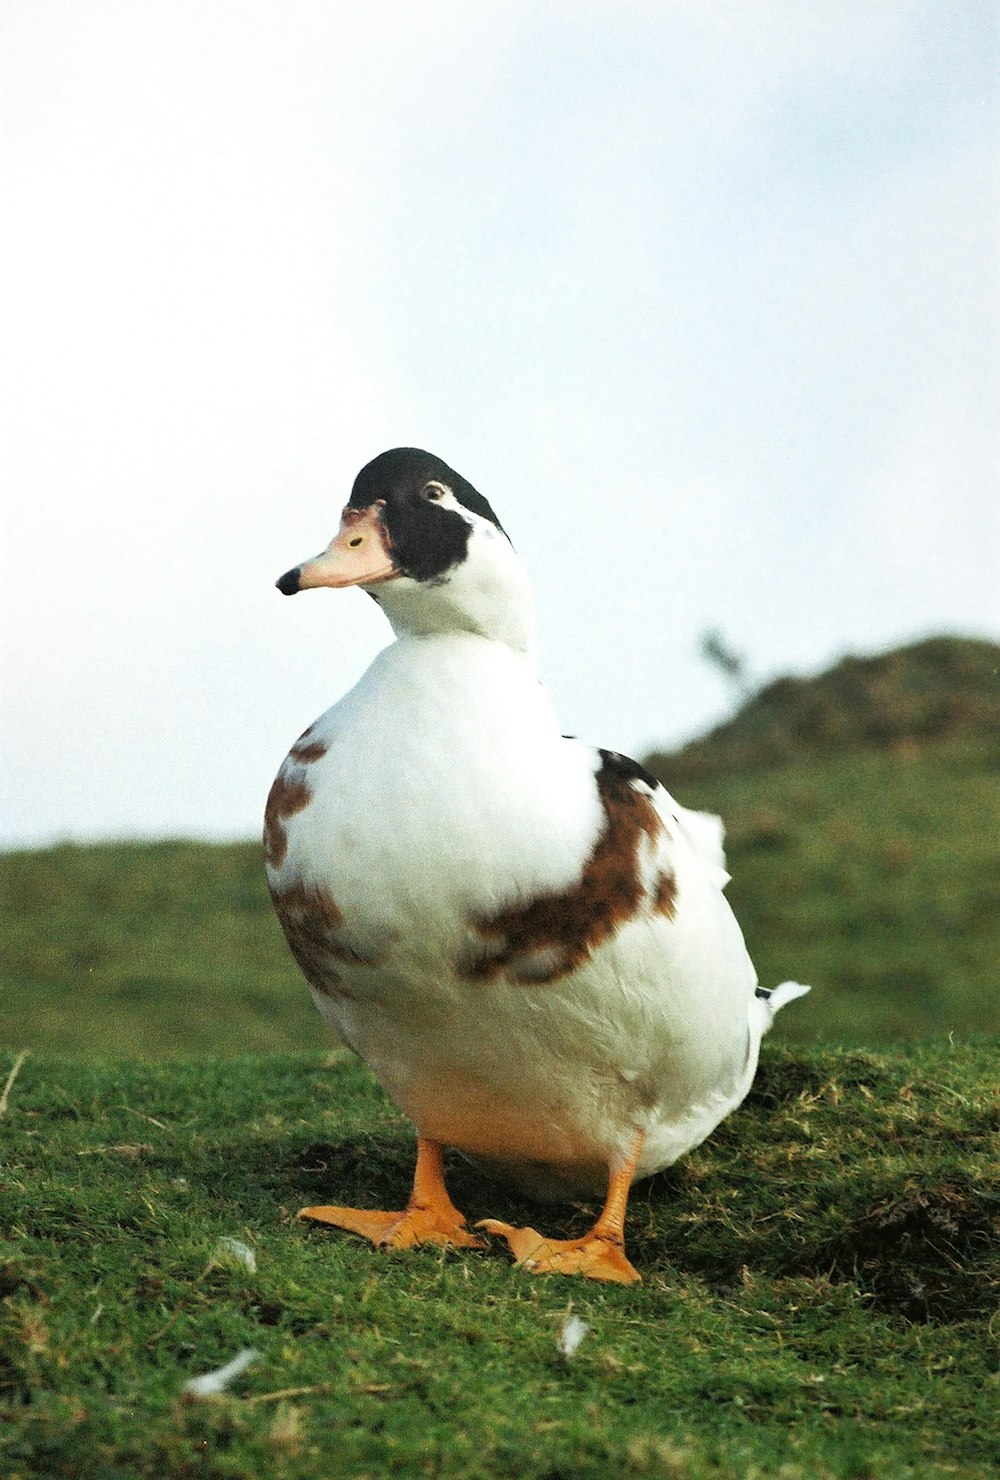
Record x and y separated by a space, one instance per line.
554 933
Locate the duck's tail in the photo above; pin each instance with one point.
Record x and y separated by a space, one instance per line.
770 999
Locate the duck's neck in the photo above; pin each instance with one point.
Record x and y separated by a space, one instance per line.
500 613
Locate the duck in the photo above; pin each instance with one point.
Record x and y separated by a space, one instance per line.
524 937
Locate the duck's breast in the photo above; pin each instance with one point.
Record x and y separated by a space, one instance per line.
434 793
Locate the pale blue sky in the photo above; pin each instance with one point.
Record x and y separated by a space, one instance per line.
703 298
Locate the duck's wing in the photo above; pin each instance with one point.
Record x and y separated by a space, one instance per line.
703 832
643 851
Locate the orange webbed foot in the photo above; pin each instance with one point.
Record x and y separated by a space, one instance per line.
430 1217
599 1255
596 1256
406 1230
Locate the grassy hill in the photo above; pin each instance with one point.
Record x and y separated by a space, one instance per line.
819 1296
865 864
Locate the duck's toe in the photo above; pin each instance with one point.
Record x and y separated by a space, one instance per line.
595 1256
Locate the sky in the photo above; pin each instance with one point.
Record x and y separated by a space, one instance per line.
703 298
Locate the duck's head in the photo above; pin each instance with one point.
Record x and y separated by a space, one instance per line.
429 549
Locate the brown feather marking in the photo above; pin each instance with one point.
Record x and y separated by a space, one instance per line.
306 750
560 929
665 898
311 920
288 795
306 754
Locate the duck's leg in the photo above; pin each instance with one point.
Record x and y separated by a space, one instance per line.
600 1254
430 1217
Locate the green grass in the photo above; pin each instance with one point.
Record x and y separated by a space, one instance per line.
820 1295
147 950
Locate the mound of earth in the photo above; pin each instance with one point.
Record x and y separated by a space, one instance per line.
943 689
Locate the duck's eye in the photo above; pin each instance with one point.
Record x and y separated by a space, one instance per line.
434 491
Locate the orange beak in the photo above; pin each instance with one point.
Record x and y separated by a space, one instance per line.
358 556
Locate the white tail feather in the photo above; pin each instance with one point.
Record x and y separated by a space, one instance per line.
774 1000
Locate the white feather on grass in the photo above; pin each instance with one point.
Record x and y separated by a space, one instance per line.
571 1333
234 1251
212 1383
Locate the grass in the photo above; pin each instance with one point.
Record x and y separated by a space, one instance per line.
146 950
820 1293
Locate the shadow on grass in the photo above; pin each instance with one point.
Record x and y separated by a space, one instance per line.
376 1170
920 1251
